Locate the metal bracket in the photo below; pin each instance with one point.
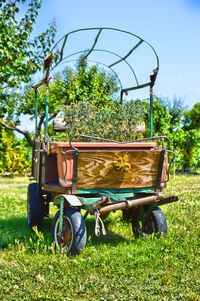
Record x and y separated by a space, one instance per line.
61 216
72 200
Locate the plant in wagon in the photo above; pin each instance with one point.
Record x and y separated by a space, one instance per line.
115 121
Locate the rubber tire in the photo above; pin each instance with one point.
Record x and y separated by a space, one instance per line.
156 223
34 206
79 232
127 215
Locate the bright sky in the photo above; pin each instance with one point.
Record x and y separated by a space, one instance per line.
172 27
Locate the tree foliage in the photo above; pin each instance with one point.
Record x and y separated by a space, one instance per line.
89 84
14 154
182 127
82 84
192 118
21 54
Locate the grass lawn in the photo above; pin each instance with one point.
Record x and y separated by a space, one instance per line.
14 180
114 267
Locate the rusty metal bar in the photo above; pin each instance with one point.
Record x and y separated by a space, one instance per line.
133 203
168 200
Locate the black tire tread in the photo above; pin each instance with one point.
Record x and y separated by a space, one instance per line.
79 229
159 223
34 206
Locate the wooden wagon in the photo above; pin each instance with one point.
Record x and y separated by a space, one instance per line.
97 177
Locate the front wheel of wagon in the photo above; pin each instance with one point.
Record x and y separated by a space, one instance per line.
34 206
154 222
72 240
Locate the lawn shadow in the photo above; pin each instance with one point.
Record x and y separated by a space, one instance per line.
111 238
15 229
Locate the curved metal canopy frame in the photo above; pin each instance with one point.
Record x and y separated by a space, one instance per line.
99 63
56 58
60 46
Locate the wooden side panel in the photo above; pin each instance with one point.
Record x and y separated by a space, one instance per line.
117 169
65 169
51 173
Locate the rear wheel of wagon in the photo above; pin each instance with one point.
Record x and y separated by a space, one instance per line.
72 240
34 206
154 222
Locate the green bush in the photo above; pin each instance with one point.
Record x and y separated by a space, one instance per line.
14 154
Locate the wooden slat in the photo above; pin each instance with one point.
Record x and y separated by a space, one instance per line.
117 169
56 188
51 173
101 145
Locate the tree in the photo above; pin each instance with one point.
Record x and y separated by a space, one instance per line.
20 54
83 83
182 127
191 126
192 117
89 84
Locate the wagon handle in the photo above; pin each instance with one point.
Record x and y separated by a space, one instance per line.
93 137
122 142
170 162
162 138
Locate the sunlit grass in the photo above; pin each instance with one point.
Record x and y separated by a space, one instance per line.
14 180
114 267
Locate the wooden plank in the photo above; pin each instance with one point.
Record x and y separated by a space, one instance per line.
51 173
101 145
57 188
117 169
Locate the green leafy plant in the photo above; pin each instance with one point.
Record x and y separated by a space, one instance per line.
116 121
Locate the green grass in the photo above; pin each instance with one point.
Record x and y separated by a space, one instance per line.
114 267
14 180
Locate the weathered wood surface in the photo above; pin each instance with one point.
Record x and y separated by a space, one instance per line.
57 188
117 169
57 146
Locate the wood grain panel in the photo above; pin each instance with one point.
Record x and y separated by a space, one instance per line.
117 169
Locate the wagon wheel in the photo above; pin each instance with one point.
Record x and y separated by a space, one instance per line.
127 214
34 206
153 221
72 240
